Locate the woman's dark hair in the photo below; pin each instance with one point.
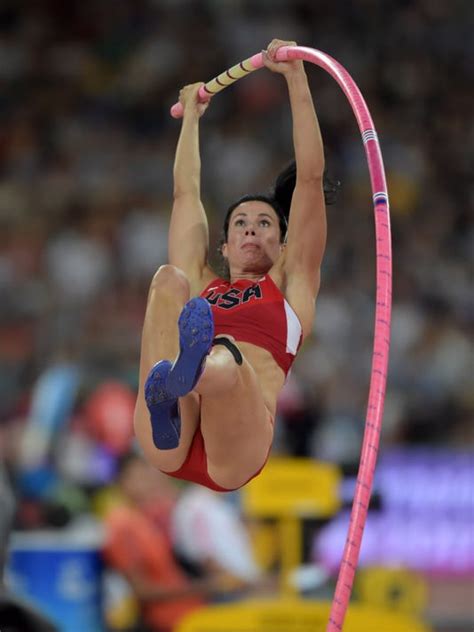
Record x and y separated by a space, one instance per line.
285 185
280 196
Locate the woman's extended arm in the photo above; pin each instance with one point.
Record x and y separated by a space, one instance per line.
188 240
307 221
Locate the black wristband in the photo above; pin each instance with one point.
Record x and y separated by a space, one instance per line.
231 347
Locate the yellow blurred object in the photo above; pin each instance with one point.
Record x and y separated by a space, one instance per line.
105 499
293 487
265 545
122 615
405 193
295 616
392 588
290 490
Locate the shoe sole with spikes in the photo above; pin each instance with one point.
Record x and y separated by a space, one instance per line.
163 407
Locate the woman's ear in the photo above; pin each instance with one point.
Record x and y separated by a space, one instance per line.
224 250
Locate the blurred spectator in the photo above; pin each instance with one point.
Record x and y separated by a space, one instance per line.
138 545
209 533
15 614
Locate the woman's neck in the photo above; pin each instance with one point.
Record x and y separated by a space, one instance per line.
251 276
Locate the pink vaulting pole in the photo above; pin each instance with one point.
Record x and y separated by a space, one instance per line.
381 345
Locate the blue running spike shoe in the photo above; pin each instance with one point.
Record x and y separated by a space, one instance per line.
163 407
196 331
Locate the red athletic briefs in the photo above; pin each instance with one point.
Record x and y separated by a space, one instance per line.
194 468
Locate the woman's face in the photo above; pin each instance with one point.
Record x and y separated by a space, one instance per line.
253 240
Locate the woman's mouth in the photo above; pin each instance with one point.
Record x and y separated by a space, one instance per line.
250 246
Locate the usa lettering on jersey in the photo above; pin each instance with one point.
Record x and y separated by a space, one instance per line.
233 297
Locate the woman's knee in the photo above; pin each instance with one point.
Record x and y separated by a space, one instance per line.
172 279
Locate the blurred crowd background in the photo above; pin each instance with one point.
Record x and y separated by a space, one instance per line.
86 155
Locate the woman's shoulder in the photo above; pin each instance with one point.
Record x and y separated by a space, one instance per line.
296 292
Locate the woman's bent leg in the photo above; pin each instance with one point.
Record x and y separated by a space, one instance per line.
236 425
169 291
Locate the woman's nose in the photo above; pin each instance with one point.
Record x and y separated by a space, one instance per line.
250 230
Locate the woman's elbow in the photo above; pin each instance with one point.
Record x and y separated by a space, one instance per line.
188 190
311 179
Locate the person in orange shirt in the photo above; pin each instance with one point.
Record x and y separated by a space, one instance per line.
142 553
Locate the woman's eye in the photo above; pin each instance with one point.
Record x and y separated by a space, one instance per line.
239 222
265 222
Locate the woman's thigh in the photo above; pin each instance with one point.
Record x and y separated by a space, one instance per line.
237 429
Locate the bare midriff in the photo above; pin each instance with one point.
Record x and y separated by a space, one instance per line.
269 374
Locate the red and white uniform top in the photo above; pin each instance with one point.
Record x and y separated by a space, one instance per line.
258 313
